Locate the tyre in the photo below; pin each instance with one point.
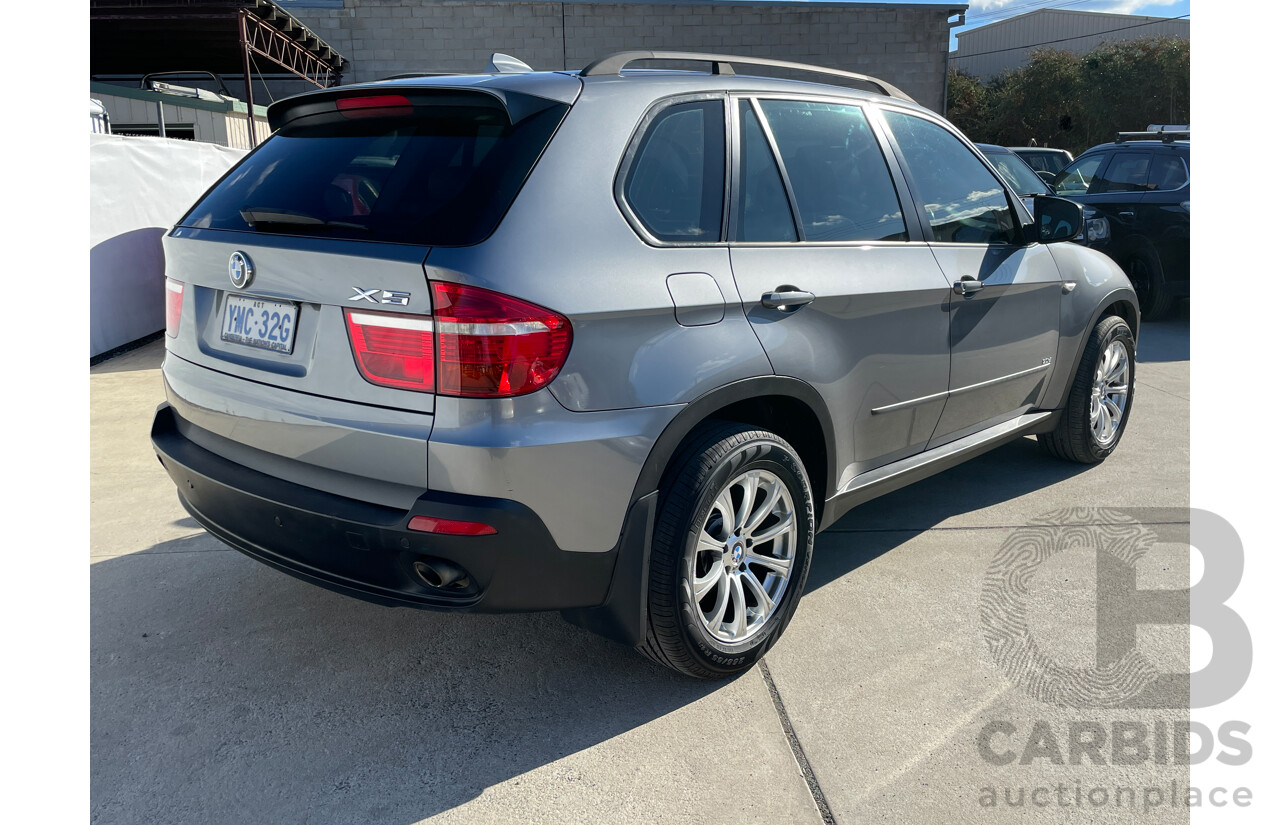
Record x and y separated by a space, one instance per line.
1147 275
1101 397
731 551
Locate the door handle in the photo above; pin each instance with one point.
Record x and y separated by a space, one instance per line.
786 298
1125 214
967 285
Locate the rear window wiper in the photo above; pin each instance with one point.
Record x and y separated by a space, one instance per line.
257 216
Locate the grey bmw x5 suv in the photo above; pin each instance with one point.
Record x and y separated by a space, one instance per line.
615 342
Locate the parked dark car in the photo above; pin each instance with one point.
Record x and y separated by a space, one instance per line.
1047 162
1015 170
1141 184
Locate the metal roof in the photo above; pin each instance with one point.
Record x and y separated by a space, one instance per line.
141 36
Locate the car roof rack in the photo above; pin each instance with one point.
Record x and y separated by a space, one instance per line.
1163 133
722 64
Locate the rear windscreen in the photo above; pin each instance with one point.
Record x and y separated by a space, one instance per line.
441 176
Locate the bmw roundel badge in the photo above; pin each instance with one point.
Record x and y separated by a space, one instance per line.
240 269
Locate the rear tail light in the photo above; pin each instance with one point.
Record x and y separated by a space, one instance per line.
393 350
494 346
476 344
172 306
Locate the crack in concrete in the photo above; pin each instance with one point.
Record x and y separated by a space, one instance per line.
802 761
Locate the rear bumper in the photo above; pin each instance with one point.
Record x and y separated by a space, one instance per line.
367 551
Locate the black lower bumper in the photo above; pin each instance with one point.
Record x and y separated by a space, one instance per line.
366 550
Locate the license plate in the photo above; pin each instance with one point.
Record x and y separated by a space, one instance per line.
259 323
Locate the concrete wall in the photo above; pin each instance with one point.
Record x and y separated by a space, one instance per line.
989 50
905 44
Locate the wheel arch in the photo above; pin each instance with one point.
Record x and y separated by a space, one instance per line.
789 407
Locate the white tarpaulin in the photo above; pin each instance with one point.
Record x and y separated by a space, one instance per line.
138 188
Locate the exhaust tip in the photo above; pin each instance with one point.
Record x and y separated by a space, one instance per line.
439 574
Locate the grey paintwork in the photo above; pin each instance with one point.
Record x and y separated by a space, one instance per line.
901 363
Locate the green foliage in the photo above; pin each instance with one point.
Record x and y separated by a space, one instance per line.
1072 101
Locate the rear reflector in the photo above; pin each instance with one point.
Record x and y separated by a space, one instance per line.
450 527
374 105
172 306
393 350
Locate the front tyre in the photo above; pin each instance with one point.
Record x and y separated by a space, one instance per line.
730 553
1101 397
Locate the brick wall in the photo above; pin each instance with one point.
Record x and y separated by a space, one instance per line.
905 45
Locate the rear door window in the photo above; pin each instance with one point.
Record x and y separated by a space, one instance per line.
675 183
430 174
837 171
1127 172
764 211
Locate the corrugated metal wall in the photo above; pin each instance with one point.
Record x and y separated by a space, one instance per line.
989 50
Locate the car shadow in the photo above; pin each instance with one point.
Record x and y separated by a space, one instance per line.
223 690
890 521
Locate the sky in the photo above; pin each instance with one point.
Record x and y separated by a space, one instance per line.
983 12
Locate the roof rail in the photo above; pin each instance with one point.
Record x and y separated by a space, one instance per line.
1165 134
722 64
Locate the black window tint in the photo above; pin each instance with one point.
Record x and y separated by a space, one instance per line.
965 202
1167 172
1127 172
675 184
764 214
837 172
444 175
1076 178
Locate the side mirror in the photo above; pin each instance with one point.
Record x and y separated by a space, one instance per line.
1058 219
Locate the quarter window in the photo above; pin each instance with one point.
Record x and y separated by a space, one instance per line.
965 202
1167 172
837 172
675 185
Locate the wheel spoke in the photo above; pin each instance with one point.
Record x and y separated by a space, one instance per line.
1118 389
708 543
764 604
784 524
763 511
724 504
702 586
739 625
716 617
750 484
1113 409
779 566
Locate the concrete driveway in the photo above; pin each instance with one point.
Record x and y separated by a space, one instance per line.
226 692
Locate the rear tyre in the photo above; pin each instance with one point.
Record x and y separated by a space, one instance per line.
731 551
1101 397
1147 275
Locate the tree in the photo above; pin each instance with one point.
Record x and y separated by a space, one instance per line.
1072 101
